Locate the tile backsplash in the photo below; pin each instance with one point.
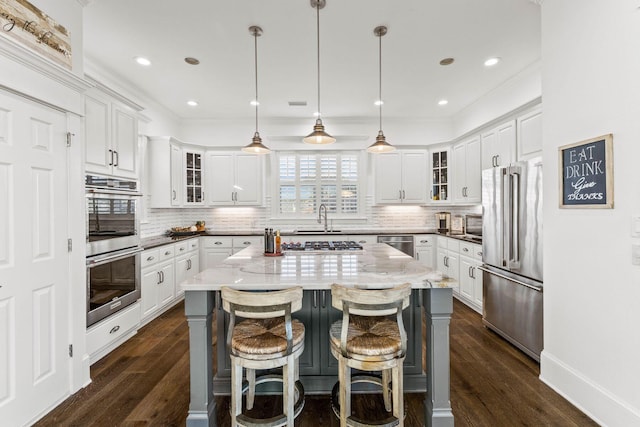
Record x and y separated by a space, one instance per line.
158 221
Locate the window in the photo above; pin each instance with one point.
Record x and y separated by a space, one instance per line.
306 180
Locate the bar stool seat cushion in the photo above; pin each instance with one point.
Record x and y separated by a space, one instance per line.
265 337
369 337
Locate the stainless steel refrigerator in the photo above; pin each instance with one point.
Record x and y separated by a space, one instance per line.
512 253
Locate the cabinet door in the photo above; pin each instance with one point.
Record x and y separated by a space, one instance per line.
97 158
124 143
414 177
193 177
477 286
248 180
440 180
220 177
149 291
467 288
166 289
473 171
388 178
175 175
424 254
506 144
309 315
215 256
530 134
182 272
459 176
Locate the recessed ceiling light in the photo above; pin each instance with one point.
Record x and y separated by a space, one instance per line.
191 61
142 61
443 102
491 62
378 102
192 103
254 103
446 61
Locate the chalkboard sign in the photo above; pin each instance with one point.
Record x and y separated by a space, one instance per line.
586 173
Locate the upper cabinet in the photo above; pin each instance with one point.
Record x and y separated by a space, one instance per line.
182 183
111 135
440 187
466 164
400 177
530 134
233 179
499 145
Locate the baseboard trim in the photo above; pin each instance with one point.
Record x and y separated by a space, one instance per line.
596 402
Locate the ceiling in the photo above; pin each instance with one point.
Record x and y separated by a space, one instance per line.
420 34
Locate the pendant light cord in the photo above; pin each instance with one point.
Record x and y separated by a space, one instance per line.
255 39
380 78
318 50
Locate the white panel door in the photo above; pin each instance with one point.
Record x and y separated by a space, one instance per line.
220 179
34 262
414 177
248 179
388 178
98 156
125 142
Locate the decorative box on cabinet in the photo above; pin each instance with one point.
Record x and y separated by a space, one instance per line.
111 135
233 179
423 245
400 177
440 187
499 145
467 173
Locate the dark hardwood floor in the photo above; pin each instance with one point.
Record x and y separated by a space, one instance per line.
145 382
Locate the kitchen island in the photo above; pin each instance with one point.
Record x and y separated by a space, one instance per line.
376 266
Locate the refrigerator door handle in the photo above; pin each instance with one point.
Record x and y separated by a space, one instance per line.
514 244
511 279
506 215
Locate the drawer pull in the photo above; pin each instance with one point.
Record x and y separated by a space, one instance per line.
217 243
167 253
424 241
479 253
465 249
150 258
114 329
181 249
193 245
362 241
246 243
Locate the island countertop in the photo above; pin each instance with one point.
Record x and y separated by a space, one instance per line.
377 265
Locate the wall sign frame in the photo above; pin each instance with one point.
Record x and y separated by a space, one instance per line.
586 174
28 25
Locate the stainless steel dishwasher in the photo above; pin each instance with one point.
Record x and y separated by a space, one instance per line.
401 243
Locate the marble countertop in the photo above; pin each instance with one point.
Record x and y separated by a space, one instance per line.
376 266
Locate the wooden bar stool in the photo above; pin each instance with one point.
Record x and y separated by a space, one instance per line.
370 337
267 338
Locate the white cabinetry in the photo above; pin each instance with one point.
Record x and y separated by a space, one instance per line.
530 134
499 145
400 177
241 242
105 336
187 262
233 179
439 181
165 185
466 164
361 239
214 250
193 177
158 280
423 245
111 135
447 258
470 275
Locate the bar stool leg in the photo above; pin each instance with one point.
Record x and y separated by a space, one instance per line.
236 391
251 393
398 395
344 377
385 390
288 389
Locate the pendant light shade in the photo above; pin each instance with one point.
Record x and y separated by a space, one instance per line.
318 136
256 146
380 145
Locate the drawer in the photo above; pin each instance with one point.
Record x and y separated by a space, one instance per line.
149 257
420 240
241 242
443 242
217 242
471 250
452 244
364 238
112 328
187 246
166 252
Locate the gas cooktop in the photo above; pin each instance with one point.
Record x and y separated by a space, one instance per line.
339 245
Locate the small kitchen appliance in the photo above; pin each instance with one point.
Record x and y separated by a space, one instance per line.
443 222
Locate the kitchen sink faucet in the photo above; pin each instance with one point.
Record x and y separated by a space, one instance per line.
325 216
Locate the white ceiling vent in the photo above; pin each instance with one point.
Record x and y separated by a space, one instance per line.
297 103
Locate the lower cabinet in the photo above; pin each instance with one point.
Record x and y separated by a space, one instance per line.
158 282
105 336
318 367
460 260
187 262
423 246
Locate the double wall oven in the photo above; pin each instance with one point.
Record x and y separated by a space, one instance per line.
113 245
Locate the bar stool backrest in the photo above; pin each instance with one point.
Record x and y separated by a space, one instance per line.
261 305
371 302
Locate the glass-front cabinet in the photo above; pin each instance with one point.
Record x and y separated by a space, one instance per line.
440 187
194 194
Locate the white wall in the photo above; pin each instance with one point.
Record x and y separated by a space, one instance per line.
591 87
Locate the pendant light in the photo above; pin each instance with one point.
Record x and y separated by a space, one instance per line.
318 136
381 145
256 146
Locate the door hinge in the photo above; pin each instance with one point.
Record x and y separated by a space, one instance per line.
69 135
70 350
69 245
